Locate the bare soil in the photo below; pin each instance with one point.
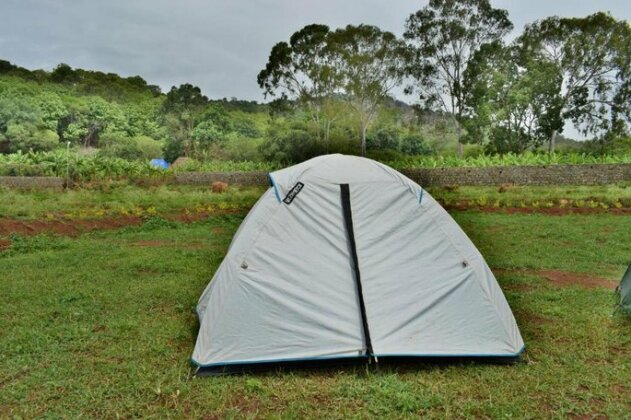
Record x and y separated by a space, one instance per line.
551 211
9 226
562 279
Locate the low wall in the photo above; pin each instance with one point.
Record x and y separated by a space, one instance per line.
597 174
32 182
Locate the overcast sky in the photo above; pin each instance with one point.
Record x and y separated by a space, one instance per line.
217 45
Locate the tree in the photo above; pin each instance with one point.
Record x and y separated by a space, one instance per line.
509 103
368 63
63 73
181 110
301 71
591 58
444 37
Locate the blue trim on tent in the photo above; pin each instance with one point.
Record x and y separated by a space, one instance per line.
273 184
361 356
420 199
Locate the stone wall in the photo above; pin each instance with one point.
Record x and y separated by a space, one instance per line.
597 174
32 182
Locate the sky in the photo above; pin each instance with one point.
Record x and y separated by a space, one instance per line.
219 46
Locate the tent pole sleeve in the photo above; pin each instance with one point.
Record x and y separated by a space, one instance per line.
348 220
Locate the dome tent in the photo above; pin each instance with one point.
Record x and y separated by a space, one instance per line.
344 257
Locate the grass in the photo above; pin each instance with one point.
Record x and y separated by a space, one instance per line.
103 325
605 193
111 200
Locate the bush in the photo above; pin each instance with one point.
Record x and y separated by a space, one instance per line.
134 148
243 148
295 145
414 144
150 148
27 137
384 138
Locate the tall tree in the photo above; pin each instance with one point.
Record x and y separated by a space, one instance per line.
508 103
368 62
300 71
591 58
444 36
181 110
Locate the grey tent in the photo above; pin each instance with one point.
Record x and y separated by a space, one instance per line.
346 258
625 290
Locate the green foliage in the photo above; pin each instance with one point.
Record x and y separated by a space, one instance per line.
130 148
445 35
414 144
294 145
332 87
592 61
508 159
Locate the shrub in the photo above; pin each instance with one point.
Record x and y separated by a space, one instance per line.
414 144
27 137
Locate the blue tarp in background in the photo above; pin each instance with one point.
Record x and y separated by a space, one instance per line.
159 163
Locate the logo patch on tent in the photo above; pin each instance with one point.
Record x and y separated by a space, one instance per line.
293 193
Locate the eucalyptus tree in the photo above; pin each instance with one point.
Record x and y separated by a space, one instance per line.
368 63
300 71
508 103
591 57
444 36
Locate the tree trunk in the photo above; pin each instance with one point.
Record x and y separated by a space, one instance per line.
460 145
363 145
552 142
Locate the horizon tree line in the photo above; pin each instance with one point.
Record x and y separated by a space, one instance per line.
454 57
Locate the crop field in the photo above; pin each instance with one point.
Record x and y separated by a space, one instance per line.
98 289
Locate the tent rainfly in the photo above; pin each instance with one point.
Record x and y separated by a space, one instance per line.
344 257
625 290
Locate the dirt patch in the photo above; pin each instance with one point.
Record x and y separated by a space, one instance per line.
245 404
188 217
552 211
63 227
5 244
619 389
560 279
530 317
76 227
565 279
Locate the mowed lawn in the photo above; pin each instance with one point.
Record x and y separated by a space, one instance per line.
103 325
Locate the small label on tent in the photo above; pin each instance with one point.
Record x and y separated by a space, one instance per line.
293 193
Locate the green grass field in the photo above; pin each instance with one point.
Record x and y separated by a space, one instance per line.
103 325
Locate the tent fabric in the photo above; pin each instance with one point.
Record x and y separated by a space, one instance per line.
625 290
300 283
159 163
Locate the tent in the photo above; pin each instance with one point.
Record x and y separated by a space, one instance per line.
344 257
159 163
625 290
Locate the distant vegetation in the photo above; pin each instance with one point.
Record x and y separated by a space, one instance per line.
331 91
